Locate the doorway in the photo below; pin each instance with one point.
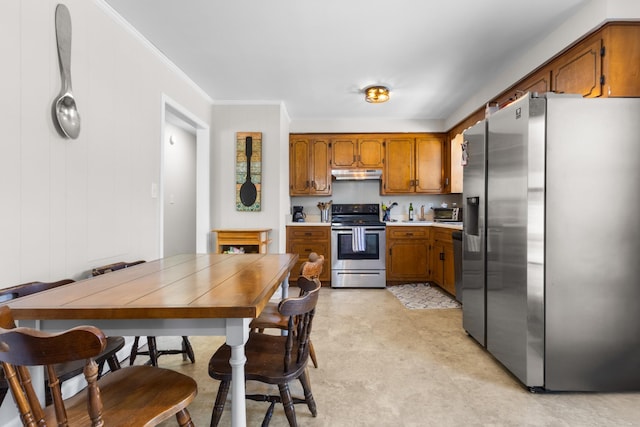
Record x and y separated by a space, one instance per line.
184 182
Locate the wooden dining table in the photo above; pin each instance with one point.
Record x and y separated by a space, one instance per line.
189 294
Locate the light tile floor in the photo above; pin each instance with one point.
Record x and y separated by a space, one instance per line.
384 365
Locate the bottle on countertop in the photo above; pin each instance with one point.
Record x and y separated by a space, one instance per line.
410 211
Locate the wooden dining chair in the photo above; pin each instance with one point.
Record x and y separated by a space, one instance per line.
132 396
273 359
152 348
270 317
72 369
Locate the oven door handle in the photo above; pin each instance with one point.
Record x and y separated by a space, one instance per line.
350 229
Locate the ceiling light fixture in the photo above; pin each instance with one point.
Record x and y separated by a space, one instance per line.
376 94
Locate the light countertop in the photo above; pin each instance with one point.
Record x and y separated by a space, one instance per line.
451 225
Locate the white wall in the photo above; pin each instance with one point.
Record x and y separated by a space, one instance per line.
268 119
69 205
179 191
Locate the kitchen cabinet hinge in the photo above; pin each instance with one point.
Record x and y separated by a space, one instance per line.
602 51
602 79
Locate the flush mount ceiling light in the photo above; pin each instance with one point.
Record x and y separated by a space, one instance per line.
376 94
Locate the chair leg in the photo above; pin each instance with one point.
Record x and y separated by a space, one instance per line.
312 354
134 351
184 418
287 402
218 406
186 347
308 396
153 351
114 363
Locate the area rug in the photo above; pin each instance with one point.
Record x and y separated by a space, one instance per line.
421 296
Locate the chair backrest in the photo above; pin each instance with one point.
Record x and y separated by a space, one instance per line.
313 267
25 289
114 267
310 270
23 347
300 311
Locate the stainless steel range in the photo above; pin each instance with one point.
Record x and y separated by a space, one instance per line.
357 246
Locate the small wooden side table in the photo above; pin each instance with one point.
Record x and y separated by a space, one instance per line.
250 240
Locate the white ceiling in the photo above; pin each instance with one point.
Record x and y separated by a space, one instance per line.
316 56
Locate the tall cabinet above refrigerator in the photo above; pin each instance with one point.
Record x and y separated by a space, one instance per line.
551 246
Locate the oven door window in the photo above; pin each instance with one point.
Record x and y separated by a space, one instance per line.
345 248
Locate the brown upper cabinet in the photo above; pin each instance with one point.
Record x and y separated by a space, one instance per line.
604 64
414 164
411 162
309 166
357 151
540 82
579 70
621 60
455 164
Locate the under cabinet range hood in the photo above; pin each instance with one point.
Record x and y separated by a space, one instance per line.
356 174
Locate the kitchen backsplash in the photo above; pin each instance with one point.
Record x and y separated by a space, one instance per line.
369 192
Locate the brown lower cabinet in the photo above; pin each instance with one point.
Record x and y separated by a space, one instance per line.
407 253
420 254
442 265
303 240
414 253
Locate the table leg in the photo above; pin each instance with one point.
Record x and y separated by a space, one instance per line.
285 287
237 335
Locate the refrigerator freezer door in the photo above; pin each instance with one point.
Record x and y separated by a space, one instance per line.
473 239
593 245
515 240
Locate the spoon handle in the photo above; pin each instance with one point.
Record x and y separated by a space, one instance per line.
248 149
63 38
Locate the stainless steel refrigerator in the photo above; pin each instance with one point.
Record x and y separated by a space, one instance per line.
551 242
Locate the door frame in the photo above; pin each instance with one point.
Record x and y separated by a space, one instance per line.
202 132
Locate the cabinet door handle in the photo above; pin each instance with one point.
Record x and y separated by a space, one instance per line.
441 256
408 234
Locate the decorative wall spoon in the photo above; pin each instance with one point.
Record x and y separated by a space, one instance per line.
65 109
248 191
